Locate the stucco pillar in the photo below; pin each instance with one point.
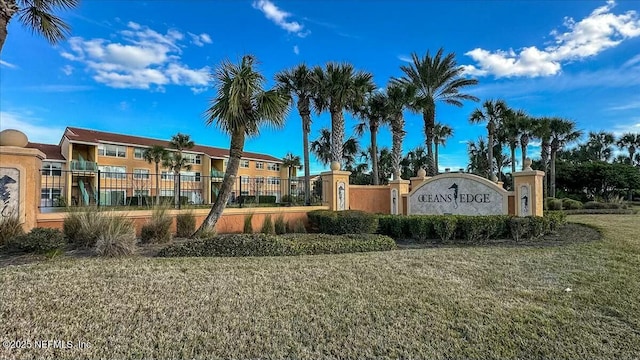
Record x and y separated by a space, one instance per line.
527 186
335 188
398 188
19 178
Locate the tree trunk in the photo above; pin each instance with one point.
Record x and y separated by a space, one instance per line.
305 114
373 129
176 189
429 117
337 135
490 149
157 184
435 157
7 9
544 157
513 159
552 192
235 153
397 134
524 143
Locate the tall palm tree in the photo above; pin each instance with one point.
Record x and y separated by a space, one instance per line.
600 145
240 107
526 124
291 162
562 132
373 114
38 16
542 131
493 113
298 82
630 141
321 147
176 162
435 79
478 159
398 98
512 131
156 154
339 87
441 132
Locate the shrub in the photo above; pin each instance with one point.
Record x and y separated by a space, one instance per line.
554 204
206 233
10 227
393 225
519 227
570 204
38 240
267 226
280 226
267 199
421 228
117 238
601 211
445 227
538 226
272 245
297 227
82 228
555 218
480 228
248 227
343 222
595 205
157 230
185 224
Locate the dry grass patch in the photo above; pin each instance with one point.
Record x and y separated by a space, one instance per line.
450 302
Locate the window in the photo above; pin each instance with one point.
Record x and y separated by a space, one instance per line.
51 197
273 181
260 180
166 175
225 162
140 192
259 165
273 166
141 174
112 150
138 153
51 169
244 164
112 197
113 172
189 176
166 192
192 158
245 179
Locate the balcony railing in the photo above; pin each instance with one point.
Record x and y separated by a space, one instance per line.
81 165
217 174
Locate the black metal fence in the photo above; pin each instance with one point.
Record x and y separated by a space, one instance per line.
61 188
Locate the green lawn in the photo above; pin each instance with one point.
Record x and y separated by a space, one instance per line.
449 302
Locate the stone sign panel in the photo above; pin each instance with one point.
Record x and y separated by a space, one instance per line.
458 194
9 192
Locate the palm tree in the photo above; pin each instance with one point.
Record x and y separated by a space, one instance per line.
493 113
339 87
321 147
441 132
512 131
415 160
298 82
542 131
291 162
478 159
176 162
373 115
240 107
435 79
398 97
156 154
600 145
38 16
526 125
562 132
630 141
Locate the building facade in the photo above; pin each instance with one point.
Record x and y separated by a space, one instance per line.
91 167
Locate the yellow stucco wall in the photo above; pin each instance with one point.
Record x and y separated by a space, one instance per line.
370 198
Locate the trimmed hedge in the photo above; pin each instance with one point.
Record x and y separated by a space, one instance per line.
285 245
570 204
342 222
554 204
601 205
38 240
421 228
600 211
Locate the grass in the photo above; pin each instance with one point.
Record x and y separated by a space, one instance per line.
447 302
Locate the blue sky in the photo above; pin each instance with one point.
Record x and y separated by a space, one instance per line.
142 68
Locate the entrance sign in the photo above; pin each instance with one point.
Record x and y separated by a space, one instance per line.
458 194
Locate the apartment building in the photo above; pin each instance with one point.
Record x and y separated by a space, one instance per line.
90 166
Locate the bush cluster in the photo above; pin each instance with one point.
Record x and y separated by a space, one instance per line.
602 205
38 240
107 233
273 245
185 224
470 228
10 227
342 222
158 229
553 204
117 237
571 204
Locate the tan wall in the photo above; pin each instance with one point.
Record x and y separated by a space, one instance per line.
232 220
370 198
511 203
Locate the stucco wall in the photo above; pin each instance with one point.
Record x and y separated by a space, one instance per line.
370 198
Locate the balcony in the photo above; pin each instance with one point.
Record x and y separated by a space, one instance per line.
217 176
81 165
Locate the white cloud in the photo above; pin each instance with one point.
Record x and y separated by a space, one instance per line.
633 61
67 70
628 106
279 17
8 64
405 58
200 40
296 50
632 126
143 59
588 37
29 125
198 90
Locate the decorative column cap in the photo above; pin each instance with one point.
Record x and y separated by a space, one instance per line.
527 164
335 166
12 137
422 172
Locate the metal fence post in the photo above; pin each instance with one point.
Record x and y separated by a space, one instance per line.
240 198
98 202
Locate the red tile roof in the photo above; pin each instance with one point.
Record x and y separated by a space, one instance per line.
94 136
52 152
